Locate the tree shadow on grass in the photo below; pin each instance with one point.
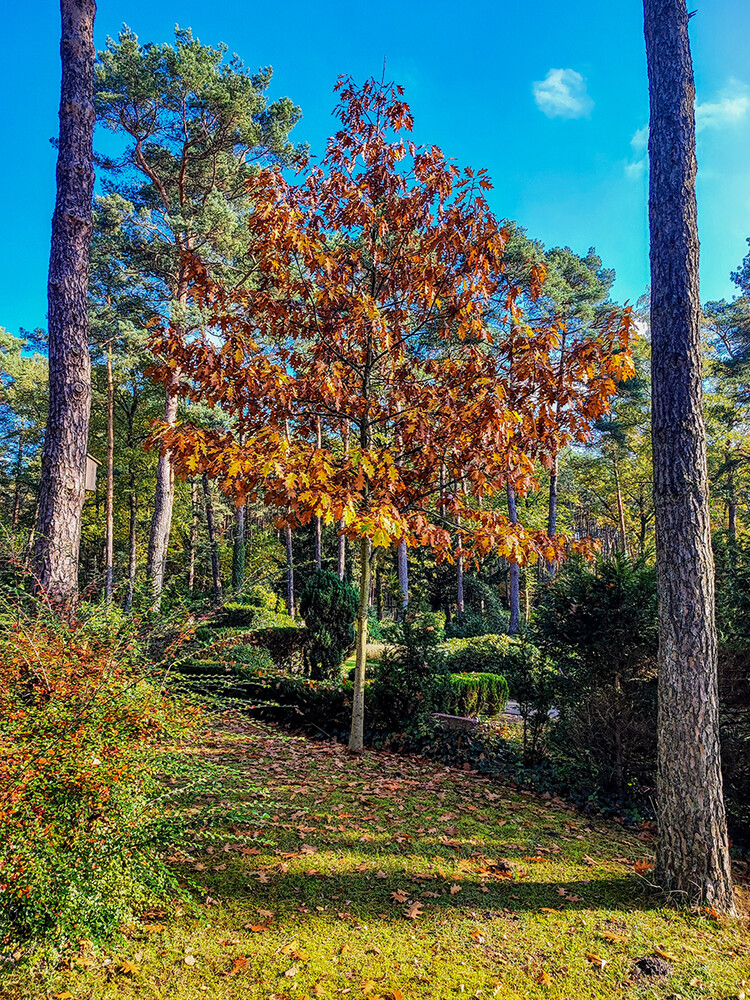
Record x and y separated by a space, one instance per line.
366 896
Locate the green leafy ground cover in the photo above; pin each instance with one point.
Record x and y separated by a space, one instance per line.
391 877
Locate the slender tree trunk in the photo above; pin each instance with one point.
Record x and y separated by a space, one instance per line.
238 551
65 441
692 858
460 602
514 572
620 510
342 552
109 502
403 576
318 522
289 571
161 521
15 516
356 736
732 497
342 536
212 542
552 509
193 535
132 542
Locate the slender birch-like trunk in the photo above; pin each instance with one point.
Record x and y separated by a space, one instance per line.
514 572
356 735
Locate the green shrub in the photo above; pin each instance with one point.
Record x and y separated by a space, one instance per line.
599 626
250 661
411 679
478 694
329 607
285 645
487 654
79 730
236 615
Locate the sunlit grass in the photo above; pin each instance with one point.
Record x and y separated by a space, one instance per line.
521 897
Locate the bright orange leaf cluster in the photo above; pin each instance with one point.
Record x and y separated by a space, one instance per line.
363 312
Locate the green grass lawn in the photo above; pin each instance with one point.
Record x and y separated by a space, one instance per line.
391 877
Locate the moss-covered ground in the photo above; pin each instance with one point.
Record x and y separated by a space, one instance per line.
391 877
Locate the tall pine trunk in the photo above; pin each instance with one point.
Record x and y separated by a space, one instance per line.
213 545
692 857
62 490
109 501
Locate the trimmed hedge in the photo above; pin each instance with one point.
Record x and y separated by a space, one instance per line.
486 654
478 694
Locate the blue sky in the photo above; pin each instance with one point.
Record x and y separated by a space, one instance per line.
551 98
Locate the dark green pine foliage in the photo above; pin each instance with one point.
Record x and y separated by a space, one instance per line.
329 607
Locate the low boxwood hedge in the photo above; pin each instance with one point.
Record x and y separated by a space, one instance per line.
478 694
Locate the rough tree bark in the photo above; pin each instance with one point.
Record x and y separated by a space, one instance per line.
64 456
692 858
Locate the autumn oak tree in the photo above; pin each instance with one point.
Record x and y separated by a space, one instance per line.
363 317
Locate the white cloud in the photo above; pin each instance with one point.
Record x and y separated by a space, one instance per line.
639 141
636 168
731 106
562 94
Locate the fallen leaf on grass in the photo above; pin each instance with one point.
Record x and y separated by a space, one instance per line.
543 978
399 896
381 874
476 935
293 951
128 968
292 971
614 938
596 960
643 866
238 964
190 959
413 910
455 889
